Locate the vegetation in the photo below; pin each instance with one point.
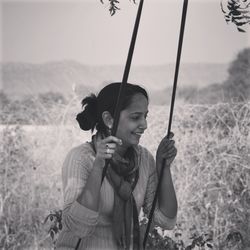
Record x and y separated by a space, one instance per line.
236 88
47 108
237 12
211 172
113 6
238 85
211 175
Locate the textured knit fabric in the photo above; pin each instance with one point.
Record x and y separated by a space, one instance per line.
95 228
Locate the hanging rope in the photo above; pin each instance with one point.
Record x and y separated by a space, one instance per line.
122 87
183 20
124 80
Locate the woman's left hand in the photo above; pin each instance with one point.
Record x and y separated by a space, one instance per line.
166 150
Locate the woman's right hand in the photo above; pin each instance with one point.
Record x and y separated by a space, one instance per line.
105 148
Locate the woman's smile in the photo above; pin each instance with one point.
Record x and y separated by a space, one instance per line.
133 121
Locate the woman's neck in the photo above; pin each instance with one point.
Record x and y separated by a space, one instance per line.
121 150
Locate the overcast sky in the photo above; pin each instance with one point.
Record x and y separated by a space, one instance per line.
40 31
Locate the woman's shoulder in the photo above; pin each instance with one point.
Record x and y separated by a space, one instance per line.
81 152
78 162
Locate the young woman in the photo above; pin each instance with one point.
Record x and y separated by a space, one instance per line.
105 215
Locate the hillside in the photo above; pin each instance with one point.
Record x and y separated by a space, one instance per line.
20 79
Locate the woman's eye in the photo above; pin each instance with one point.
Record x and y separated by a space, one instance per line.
135 117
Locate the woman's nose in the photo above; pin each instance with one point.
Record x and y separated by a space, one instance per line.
144 124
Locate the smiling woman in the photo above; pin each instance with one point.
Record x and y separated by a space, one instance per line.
133 120
105 215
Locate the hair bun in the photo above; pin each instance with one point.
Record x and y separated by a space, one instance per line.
87 119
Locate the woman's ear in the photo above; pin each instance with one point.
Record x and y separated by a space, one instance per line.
107 119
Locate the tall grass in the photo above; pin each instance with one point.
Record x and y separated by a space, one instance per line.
211 173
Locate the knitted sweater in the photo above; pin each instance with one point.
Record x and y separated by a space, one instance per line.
95 228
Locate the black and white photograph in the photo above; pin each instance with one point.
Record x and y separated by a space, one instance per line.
125 124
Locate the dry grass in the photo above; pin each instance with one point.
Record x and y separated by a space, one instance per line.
211 172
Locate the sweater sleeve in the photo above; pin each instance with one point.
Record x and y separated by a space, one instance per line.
77 219
159 218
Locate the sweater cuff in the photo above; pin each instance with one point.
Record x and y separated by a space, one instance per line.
164 221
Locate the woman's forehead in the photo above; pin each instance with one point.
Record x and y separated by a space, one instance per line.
139 103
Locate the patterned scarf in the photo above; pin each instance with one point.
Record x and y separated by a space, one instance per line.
123 176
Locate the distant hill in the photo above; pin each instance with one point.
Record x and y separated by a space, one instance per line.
20 79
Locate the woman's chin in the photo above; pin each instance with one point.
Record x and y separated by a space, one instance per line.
135 141
131 141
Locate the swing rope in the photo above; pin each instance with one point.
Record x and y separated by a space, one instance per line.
122 88
184 12
124 80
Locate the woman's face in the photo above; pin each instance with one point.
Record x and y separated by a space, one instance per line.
133 121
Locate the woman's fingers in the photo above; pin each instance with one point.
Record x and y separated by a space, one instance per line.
105 153
167 149
171 135
170 154
166 146
110 145
112 139
106 147
167 139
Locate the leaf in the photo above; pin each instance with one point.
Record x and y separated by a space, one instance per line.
241 30
52 234
209 245
46 219
240 23
243 11
222 8
237 17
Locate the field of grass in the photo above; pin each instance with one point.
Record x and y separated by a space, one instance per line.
211 174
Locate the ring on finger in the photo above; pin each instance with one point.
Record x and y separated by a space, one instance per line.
108 151
107 145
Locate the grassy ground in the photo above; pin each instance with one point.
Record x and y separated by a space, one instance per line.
211 174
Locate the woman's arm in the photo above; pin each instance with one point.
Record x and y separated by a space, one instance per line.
167 197
90 195
160 218
82 173
78 219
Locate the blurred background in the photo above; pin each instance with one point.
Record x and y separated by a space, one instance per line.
55 53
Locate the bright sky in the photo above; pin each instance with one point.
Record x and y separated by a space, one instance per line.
39 31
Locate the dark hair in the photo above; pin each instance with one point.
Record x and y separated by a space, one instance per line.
94 106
